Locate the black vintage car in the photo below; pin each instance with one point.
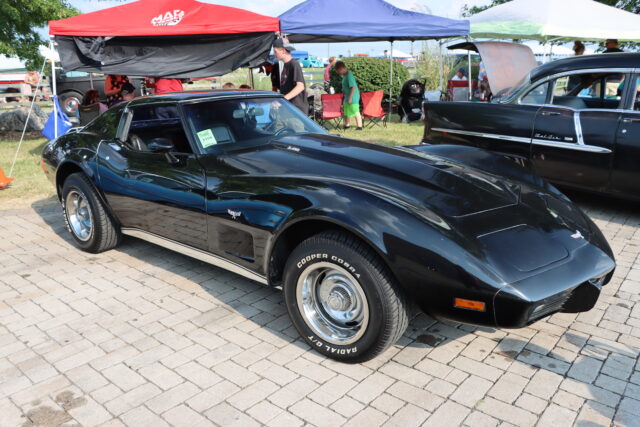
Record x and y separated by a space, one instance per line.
575 121
352 231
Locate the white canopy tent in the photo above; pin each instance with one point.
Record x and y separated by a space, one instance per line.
401 55
547 20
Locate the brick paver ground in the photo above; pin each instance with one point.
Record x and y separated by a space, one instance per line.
143 336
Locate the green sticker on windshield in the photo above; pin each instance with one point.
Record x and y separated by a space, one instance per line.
206 138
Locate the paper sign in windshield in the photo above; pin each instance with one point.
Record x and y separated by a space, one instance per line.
206 138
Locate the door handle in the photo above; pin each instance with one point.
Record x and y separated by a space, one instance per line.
550 113
627 120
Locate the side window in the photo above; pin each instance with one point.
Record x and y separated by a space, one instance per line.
563 86
589 90
635 92
106 124
156 121
636 98
538 96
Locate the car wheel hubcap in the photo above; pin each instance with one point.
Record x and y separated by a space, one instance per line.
79 215
332 303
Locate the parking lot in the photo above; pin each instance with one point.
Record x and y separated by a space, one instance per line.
144 336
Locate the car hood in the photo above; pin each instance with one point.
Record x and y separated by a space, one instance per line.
506 64
446 187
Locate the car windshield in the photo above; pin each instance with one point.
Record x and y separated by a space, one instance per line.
233 124
508 93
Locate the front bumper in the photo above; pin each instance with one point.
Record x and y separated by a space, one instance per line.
572 287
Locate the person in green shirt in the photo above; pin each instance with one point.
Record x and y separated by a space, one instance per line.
351 106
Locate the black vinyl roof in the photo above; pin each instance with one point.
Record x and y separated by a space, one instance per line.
601 60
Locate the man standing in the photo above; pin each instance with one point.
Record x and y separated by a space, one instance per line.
292 84
167 85
612 46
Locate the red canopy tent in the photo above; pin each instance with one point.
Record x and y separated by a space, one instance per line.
164 38
164 18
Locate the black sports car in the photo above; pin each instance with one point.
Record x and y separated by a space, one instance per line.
575 121
353 232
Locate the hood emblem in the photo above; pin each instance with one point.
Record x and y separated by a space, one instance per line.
577 235
234 214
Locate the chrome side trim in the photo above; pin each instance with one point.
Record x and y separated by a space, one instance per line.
485 135
578 126
195 253
557 144
572 146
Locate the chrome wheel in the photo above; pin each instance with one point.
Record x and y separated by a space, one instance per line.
79 215
332 303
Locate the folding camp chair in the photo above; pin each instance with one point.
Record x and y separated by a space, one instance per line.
331 109
372 108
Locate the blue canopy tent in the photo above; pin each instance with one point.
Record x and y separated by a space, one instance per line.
333 21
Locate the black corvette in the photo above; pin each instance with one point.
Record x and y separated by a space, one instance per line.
354 232
575 121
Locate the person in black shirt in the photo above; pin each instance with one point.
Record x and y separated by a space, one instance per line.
612 46
292 84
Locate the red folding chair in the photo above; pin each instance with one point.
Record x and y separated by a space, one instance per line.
331 109
372 108
459 89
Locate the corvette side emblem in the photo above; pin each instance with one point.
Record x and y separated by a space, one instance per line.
577 235
234 214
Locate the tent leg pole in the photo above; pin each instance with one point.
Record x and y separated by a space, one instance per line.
469 75
251 79
55 93
440 66
390 82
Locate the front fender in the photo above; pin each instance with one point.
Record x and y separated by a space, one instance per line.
428 261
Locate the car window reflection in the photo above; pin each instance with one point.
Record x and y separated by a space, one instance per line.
240 123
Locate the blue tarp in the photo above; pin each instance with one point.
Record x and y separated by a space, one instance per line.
327 21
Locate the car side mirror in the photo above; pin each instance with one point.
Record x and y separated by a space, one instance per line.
160 145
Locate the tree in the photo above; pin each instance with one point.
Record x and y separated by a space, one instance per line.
21 20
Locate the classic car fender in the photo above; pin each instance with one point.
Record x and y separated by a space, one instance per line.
431 262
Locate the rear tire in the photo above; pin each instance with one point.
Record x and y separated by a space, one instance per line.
90 225
342 299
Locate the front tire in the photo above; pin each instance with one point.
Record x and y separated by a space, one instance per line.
342 299
87 220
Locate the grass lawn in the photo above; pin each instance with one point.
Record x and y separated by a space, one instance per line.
395 133
31 185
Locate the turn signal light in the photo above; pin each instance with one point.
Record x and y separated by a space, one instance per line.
469 304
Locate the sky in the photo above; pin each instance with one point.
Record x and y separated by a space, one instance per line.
446 8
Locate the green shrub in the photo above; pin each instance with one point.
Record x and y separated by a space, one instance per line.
372 74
